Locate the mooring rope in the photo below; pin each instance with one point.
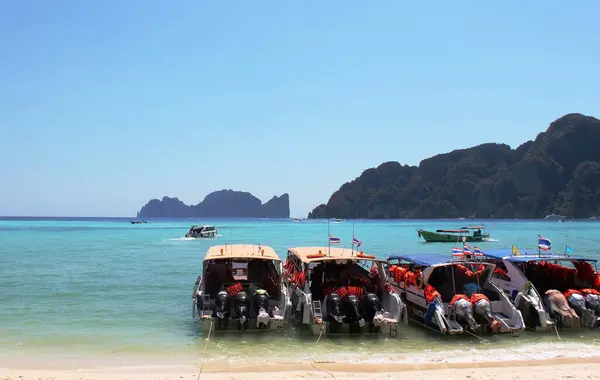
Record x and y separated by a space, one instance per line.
205 347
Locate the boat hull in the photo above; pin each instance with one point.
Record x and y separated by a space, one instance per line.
436 237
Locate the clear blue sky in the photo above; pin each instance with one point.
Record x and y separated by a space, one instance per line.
106 104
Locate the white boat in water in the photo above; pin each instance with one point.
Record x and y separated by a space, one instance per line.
201 231
453 295
341 290
240 289
555 217
550 289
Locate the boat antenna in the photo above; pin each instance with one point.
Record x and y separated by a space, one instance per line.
328 239
352 249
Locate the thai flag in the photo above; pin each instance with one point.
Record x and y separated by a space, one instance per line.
334 240
356 241
543 243
457 251
477 251
467 250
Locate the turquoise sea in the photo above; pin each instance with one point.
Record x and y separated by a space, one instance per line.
106 287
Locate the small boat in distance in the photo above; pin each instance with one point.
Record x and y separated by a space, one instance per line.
453 296
455 236
137 221
242 282
341 290
555 217
201 232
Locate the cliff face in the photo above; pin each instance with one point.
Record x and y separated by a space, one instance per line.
219 204
558 172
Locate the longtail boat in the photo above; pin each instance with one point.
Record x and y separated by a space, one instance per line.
469 233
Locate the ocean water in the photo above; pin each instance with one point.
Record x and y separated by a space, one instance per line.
107 287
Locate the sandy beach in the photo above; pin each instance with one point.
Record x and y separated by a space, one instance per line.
559 368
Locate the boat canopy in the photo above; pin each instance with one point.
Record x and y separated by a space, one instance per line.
241 251
313 254
481 227
453 231
424 259
507 254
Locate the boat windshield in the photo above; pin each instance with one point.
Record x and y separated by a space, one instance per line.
253 273
561 274
450 280
326 276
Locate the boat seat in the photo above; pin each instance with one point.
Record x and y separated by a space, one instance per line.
491 295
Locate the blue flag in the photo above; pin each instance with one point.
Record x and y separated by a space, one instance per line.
569 249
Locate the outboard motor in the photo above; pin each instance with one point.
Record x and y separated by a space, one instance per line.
334 310
463 309
592 302
371 307
260 301
352 310
577 302
559 309
482 311
221 310
241 305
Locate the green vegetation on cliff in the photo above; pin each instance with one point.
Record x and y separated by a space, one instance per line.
558 173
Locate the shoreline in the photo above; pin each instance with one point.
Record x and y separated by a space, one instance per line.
566 367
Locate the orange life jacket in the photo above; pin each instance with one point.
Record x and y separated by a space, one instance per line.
430 293
458 297
232 290
585 292
478 297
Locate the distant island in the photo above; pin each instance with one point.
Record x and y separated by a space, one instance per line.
557 173
219 204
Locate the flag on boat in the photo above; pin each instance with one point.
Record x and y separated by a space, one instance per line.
543 243
467 250
515 251
569 249
457 251
334 240
477 251
356 241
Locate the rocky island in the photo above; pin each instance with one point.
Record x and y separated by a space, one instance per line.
557 173
219 204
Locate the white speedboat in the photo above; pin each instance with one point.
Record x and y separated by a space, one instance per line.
453 295
201 232
241 288
549 288
340 290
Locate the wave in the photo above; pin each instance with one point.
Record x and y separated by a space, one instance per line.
193 239
538 351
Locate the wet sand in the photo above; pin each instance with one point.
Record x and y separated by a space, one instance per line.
558 368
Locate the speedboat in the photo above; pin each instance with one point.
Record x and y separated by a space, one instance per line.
453 296
550 289
201 232
341 290
242 283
